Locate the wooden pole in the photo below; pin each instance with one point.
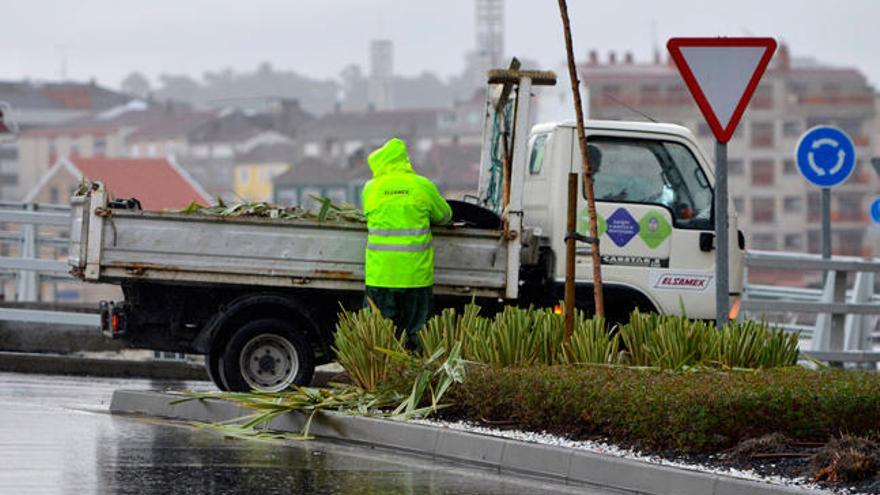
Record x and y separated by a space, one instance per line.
588 184
570 226
506 139
505 177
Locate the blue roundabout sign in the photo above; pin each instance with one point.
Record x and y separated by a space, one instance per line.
825 156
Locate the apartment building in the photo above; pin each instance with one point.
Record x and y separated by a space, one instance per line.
34 105
777 209
40 148
256 169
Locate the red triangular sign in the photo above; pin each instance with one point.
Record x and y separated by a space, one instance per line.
722 74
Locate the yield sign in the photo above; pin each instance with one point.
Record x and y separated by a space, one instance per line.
722 75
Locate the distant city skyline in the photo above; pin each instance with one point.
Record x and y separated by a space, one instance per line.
108 40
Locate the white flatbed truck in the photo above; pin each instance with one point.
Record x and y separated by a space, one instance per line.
259 297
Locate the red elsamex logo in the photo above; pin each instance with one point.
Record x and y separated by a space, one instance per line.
680 281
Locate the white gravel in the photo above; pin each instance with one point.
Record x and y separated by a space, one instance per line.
614 450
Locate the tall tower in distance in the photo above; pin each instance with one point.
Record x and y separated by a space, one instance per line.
490 31
380 83
489 51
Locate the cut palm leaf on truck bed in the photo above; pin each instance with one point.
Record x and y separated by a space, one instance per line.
328 211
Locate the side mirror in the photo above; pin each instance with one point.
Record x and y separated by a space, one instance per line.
707 241
7 123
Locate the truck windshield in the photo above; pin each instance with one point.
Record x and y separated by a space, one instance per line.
650 171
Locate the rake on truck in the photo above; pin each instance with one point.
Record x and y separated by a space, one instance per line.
504 157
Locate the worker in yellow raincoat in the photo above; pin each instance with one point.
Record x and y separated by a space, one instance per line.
400 207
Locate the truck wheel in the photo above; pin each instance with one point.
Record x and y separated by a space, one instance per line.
212 366
268 356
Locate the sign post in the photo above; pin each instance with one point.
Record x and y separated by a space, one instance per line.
722 74
825 157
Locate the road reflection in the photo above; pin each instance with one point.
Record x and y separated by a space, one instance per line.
57 438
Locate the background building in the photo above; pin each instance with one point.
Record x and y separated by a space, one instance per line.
381 79
39 149
40 104
256 169
158 183
489 47
312 177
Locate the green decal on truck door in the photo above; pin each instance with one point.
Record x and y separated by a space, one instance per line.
584 223
654 229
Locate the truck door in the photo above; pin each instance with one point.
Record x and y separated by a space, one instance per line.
537 186
653 202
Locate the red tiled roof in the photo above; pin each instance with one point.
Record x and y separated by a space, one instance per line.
71 97
154 181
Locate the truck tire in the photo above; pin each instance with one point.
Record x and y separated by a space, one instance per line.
212 366
266 355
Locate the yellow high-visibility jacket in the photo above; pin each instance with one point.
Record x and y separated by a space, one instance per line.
400 206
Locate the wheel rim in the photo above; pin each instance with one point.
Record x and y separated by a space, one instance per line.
269 363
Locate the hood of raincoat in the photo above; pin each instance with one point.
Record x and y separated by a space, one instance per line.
390 158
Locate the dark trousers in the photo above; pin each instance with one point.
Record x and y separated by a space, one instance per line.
409 309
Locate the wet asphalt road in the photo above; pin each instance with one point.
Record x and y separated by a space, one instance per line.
56 437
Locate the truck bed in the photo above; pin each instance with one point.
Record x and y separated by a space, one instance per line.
113 245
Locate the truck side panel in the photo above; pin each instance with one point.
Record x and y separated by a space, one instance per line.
262 252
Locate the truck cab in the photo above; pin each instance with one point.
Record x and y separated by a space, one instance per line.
654 202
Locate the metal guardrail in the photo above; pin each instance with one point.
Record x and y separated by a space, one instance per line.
28 269
809 262
778 293
33 217
845 321
761 295
842 332
50 317
32 264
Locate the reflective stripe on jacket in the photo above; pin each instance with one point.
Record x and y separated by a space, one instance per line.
400 207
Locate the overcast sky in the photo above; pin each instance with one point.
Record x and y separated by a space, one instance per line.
108 39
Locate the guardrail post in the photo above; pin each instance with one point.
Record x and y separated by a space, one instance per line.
745 295
844 328
28 285
829 326
858 327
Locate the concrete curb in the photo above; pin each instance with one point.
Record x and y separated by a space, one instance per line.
503 455
55 364
18 336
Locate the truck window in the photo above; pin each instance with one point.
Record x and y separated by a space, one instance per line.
536 156
650 171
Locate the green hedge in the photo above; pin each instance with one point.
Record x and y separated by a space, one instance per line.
662 410
527 337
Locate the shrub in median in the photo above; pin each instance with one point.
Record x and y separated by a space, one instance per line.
675 342
660 410
527 337
361 343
